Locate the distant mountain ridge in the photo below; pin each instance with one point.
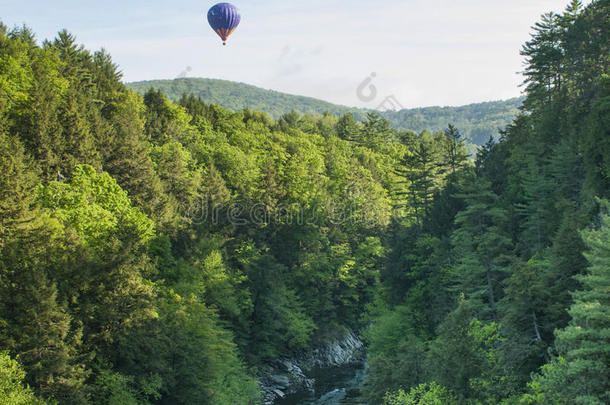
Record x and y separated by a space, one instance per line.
477 122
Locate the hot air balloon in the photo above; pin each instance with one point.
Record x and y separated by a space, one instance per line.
224 18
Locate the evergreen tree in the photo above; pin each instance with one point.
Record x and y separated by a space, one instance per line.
584 343
375 131
464 357
481 247
18 179
580 374
41 331
543 57
535 209
454 151
418 171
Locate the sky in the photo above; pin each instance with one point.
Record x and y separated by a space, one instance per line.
353 52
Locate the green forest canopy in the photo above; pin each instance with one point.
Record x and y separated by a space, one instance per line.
159 252
477 122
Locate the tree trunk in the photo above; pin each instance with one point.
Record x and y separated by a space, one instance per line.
490 289
538 338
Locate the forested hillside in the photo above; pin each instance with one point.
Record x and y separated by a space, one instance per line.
163 252
238 96
477 122
159 252
499 292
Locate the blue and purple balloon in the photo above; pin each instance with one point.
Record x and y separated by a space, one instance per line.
224 18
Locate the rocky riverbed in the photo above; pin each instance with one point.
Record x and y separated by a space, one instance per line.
338 385
309 376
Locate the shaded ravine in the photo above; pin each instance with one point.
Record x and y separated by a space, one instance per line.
324 375
339 385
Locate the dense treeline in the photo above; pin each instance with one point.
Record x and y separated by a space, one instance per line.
499 294
477 122
159 253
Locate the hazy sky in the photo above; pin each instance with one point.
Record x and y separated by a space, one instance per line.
423 52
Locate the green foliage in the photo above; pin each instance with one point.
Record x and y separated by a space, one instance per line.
12 389
423 394
179 238
396 354
127 158
19 177
154 252
580 374
583 344
114 389
15 70
40 330
507 235
95 206
465 358
480 246
477 122
204 367
548 387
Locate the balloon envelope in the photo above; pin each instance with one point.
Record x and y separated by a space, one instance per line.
224 18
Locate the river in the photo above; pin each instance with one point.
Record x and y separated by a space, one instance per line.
333 386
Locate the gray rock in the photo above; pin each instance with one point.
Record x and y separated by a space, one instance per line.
282 381
286 376
280 394
336 353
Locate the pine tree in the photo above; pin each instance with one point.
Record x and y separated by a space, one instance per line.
418 171
536 207
543 58
480 246
524 314
581 375
40 330
375 131
565 168
17 181
566 261
595 138
584 343
453 150
348 128
127 159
